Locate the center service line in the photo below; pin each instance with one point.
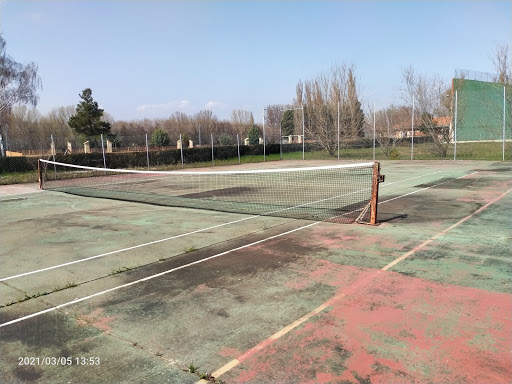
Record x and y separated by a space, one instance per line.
162 273
157 241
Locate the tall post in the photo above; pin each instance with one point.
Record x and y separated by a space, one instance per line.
455 129
280 139
412 130
181 150
264 152
147 151
53 155
103 151
374 131
213 159
40 173
238 148
375 193
338 130
303 136
503 145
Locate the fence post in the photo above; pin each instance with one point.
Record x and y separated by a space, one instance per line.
455 129
103 150
238 148
412 130
374 131
53 154
181 150
213 159
503 145
147 151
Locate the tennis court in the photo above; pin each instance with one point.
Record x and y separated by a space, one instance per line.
97 290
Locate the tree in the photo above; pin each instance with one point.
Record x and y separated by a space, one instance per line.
287 126
160 138
390 126
254 135
428 93
18 85
225 139
320 98
87 120
502 64
242 121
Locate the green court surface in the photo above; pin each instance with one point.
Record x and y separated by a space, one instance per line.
105 291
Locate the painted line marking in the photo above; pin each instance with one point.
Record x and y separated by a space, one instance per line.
167 239
233 363
154 276
167 272
443 232
126 249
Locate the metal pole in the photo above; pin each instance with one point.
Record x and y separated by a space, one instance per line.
181 150
303 136
103 150
147 151
338 130
264 152
213 159
455 129
412 128
53 154
238 148
374 131
280 139
503 145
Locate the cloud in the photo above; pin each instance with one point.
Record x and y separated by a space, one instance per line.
215 105
171 106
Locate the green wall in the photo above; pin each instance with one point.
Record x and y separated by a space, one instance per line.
480 110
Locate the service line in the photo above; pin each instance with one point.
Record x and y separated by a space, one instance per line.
161 240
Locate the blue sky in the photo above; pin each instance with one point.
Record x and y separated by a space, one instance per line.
152 58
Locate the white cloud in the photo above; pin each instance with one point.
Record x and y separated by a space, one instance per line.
171 106
215 105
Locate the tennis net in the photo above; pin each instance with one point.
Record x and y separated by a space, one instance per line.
338 193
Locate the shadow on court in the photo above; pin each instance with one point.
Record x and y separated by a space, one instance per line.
100 291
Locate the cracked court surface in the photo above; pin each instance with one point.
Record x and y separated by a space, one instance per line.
275 300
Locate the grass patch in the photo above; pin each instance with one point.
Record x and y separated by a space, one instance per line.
39 294
190 249
122 269
18 177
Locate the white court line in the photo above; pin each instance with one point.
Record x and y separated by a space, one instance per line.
176 236
178 268
153 276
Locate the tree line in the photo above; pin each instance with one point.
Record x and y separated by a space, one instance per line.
327 109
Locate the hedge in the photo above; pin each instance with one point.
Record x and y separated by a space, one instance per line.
139 159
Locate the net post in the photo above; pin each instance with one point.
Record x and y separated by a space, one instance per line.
375 193
40 173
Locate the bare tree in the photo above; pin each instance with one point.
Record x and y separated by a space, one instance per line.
428 93
502 64
390 126
242 120
273 117
320 98
18 85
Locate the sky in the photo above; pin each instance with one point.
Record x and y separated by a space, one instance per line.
149 59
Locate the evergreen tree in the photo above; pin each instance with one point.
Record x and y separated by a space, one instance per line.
160 138
87 119
254 135
287 126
